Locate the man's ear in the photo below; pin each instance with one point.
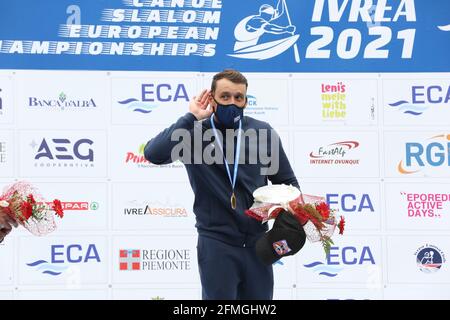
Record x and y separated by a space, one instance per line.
211 102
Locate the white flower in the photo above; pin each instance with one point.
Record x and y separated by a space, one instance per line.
4 204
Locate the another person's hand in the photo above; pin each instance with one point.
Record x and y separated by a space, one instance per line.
6 224
198 105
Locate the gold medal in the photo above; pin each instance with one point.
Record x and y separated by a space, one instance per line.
233 201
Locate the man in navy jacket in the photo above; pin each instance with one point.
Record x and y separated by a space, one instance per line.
223 184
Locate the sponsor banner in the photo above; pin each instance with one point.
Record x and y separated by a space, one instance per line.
153 99
261 36
69 293
6 100
359 203
7 261
417 154
157 294
7 154
268 97
424 206
135 208
127 161
162 259
416 102
69 261
335 101
352 259
418 259
63 153
336 154
268 100
340 294
84 204
62 100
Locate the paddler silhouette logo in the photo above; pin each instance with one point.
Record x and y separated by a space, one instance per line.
266 34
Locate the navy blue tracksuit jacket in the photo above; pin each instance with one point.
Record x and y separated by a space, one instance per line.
212 189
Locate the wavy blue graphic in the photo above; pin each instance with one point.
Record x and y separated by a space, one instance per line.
48 268
409 108
323 269
138 106
398 103
127 101
38 262
311 265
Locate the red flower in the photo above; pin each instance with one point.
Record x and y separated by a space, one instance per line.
324 210
30 199
58 208
341 225
26 210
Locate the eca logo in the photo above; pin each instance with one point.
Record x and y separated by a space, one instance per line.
163 92
422 98
152 93
61 256
74 253
340 258
349 202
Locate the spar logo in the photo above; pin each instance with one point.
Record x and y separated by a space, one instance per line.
433 153
62 102
152 94
422 99
63 256
335 153
340 258
266 33
429 258
78 205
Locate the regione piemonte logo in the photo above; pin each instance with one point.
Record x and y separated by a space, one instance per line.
266 33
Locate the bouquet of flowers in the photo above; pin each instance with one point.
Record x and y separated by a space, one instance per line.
312 212
22 202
